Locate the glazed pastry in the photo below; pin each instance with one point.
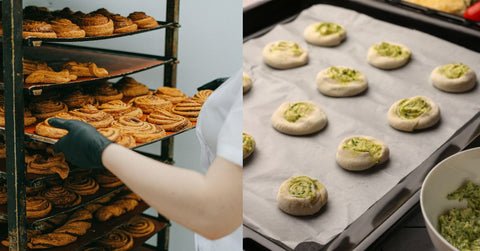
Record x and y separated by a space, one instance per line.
77 99
49 165
142 131
388 55
28 118
358 153
33 28
96 25
301 195
201 96
299 118
456 77
168 121
81 184
142 20
50 77
171 94
37 207
3 194
123 24
93 116
45 129
188 109
29 66
87 69
284 55
107 179
340 81
66 29
325 34
118 108
247 83
248 145
117 240
150 103
104 92
123 204
139 227
47 108
131 88
62 198
413 114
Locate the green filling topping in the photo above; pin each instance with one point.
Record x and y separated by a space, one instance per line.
296 111
248 143
303 187
328 28
461 227
454 70
412 108
391 50
246 79
343 75
360 145
287 46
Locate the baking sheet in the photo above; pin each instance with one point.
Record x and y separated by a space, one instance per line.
279 156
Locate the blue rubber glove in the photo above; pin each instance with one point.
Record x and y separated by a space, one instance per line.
83 145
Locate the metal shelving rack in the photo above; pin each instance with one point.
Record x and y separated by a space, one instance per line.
13 43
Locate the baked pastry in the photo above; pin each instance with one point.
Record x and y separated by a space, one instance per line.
66 29
116 135
91 115
118 108
117 240
32 28
247 83
37 206
299 118
35 145
35 187
150 103
81 184
36 13
47 108
168 121
340 81
49 165
189 109
3 194
104 12
96 24
45 129
284 55
104 93
413 113
86 69
131 88
202 96
142 20
50 77
301 195
63 13
61 197
358 153
248 145
449 6
124 203
171 94
139 227
142 131
28 118
456 77
324 34
123 24
29 66
107 179
77 99
388 55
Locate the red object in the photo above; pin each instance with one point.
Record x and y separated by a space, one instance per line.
473 12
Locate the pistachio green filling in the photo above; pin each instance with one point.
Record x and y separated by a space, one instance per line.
246 79
287 46
454 70
303 187
391 50
296 111
248 144
361 145
412 108
344 75
328 28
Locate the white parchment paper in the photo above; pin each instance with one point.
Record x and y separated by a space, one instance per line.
279 156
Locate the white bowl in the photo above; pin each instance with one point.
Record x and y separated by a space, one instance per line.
443 179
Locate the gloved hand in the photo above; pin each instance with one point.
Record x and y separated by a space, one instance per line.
83 145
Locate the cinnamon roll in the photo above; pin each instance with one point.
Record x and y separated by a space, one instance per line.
117 240
65 28
61 197
126 140
47 108
168 121
150 103
139 227
104 92
142 131
189 109
93 116
45 129
123 24
63 13
37 206
201 96
50 77
36 13
49 165
142 20
96 24
116 135
86 69
3 194
29 66
81 184
131 88
171 94
118 108
32 28
77 99
107 179
104 12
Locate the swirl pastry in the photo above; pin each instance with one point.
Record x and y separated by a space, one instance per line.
104 93
45 129
201 96
247 83
388 55
301 195
36 13
3 194
150 103
142 20
299 118
87 69
49 165
361 152
33 28
93 116
121 205
340 81
63 13
325 34
123 24
168 121
284 55
104 12
413 113
118 108
37 206
188 109
117 240
65 28
29 66
455 77
50 77
62 198
131 88
81 184
47 108
107 179
171 94
139 227
248 145
96 24
142 131
77 99
28 118
116 135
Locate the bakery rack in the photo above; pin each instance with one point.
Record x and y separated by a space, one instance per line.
14 47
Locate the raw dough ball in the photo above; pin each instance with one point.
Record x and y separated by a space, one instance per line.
413 113
299 118
388 55
341 81
248 145
284 55
455 77
324 34
301 195
247 83
358 153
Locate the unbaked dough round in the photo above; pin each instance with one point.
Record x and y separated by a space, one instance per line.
358 153
413 114
456 77
284 55
299 118
247 83
324 34
388 55
341 81
301 195
248 145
